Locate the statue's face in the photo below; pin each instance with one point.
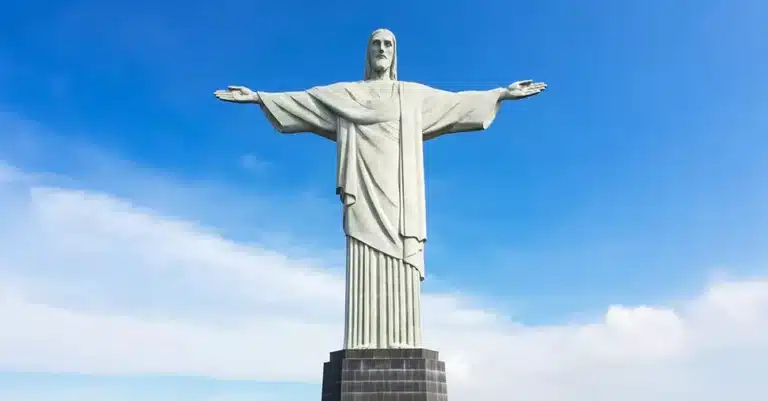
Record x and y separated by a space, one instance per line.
382 51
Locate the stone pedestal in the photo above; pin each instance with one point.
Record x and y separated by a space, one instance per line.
384 375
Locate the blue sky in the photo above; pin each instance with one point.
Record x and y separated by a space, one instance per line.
637 179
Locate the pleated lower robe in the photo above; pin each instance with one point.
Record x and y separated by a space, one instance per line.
383 300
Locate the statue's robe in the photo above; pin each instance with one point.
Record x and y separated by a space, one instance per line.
379 128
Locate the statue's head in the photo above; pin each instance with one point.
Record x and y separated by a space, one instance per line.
381 57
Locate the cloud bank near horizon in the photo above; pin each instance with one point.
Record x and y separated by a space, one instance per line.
94 284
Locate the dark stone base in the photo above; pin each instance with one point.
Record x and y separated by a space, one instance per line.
384 375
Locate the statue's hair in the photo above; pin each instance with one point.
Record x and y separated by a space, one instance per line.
369 62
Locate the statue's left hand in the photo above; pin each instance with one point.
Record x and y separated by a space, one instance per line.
523 89
237 94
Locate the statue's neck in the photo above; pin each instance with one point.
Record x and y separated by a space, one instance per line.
380 76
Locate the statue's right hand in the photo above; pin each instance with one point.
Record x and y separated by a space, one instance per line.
237 94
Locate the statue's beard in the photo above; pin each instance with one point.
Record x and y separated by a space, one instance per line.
381 65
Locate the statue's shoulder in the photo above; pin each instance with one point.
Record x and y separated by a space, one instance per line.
418 88
413 85
333 86
339 87
353 86
362 83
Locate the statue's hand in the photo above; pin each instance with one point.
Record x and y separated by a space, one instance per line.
237 94
523 89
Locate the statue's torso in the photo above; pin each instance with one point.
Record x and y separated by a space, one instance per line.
375 217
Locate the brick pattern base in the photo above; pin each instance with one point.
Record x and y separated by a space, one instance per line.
384 375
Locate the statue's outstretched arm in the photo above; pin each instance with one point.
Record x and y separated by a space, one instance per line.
446 112
288 112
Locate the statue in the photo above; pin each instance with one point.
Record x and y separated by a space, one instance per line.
379 125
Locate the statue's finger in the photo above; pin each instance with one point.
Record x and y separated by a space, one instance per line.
525 82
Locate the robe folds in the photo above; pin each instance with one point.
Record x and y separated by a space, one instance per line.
379 128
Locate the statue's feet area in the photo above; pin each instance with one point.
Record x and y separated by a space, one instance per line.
413 374
394 346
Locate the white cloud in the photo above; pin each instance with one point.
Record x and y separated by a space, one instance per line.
93 284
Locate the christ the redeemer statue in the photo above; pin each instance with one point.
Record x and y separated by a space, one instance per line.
379 125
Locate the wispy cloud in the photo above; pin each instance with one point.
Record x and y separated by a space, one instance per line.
8 174
253 163
273 217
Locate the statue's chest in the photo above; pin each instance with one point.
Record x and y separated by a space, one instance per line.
378 95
